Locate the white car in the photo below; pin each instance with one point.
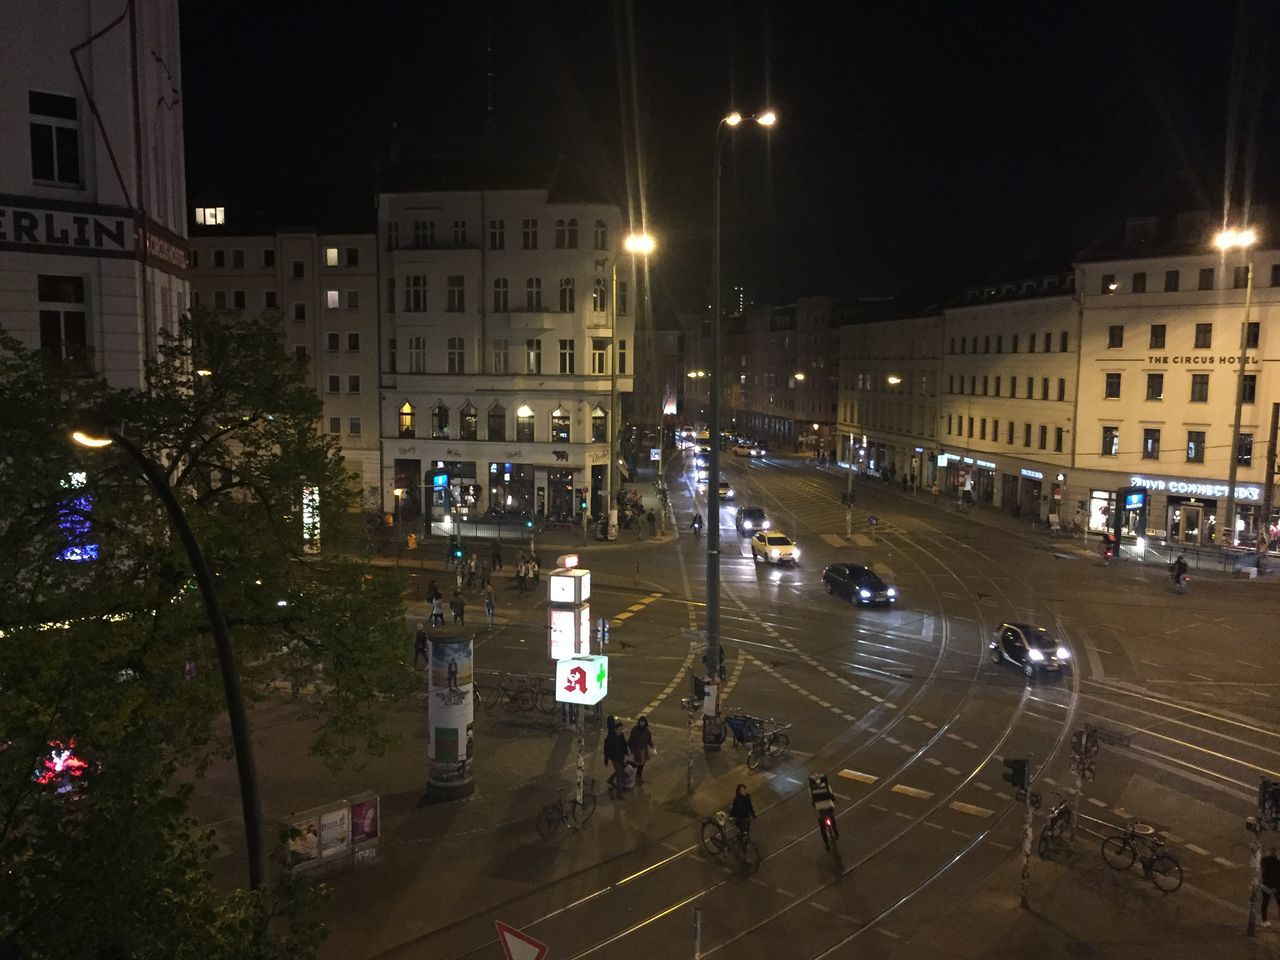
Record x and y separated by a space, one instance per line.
774 547
745 450
726 490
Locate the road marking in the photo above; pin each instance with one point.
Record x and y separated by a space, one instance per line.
894 740
785 893
817 906
888 933
931 824
911 791
1052 782
757 881
954 736
970 744
1002 846
848 716
1200 850
1223 862
636 607
832 540
971 809
931 726
1255 666
982 786
933 760
862 540
1096 802
860 777
1004 796
952 770
907 747
622 616
960 833
1149 663
917 719
1200 676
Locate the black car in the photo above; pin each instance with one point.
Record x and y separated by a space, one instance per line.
751 520
1033 649
859 583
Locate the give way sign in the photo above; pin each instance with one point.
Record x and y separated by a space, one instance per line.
517 945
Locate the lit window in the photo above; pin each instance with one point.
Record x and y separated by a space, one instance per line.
330 256
406 420
332 300
468 422
440 422
559 426
211 216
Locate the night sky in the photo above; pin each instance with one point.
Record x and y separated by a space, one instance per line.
921 146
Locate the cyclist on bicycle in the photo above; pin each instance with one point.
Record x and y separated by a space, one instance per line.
1178 570
696 526
824 805
741 812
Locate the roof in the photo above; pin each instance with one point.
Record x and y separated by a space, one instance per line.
564 178
1185 233
1025 281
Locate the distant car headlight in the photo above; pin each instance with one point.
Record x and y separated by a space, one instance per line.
765 525
864 593
746 524
1064 653
1034 655
892 592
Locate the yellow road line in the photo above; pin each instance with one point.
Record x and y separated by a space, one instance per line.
970 809
860 777
911 791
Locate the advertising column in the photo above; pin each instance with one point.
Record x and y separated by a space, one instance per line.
450 713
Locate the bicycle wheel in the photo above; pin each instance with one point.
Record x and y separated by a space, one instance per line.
712 837
580 813
548 820
1166 873
748 855
521 699
547 702
1118 852
755 754
779 745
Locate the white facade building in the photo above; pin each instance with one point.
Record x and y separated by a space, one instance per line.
92 184
498 349
325 288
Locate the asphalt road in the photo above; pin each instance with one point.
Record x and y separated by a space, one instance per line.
901 706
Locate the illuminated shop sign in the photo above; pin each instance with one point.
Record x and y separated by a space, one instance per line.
1197 488
1032 474
1200 360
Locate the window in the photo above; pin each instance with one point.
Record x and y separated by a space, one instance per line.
1026 434
497 234
220 299
353 299
1275 274
622 357
1249 388
1206 278
1199 388
1062 388
1109 284
1171 281
334 383
237 259
1251 334
1013 386
571 235
951 383
468 422
353 426
352 256
298 270
1110 441
353 343
391 354
1204 336
331 341
529 234
1195 446
417 354
599 355
1157 336
1057 439
299 353
533 356
459 233
1115 336
1048 342
268 258
440 422
335 424
393 235
559 242
195 298
1139 283
456 290
986 344
1112 390
1044 388
1155 386
600 237
997 392
219 259
501 356
566 356
55 138
497 423
1150 444
1009 434
559 426
391 294
1015 344
64 334
622 298
1240 277
524 426
598 295
194 256
1031 387
533 294
407 428
949 427
332 299
270 300
424 233
567 300
299 312
599 426
415 292
237 299
1031 343
982 429
330 256
1244 450
984 386
457 355
353 383
999 343
1044 436
971 426
501 298
1063 340
211 216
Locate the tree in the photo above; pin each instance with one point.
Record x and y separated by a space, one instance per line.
105 640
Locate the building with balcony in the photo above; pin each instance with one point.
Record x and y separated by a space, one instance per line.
93 244
506 322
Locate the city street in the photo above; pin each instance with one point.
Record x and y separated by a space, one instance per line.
901 706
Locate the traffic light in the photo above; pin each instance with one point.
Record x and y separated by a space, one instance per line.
455 547
1015 773
582 500
528 523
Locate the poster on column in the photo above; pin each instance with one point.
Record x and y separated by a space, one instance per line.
450 712
335 832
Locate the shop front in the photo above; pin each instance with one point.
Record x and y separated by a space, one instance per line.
511 488
1194 510
1191 520
970 479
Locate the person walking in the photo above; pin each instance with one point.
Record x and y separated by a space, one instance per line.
473 567
640 743
653 524
460 574
1270 882
489 602
432 590
934 491
457 605
486 571
521 573
615 755
495 554
420 645
534 569
437 610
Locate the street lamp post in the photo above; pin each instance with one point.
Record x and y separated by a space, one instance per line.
766 119
242 742
1242 239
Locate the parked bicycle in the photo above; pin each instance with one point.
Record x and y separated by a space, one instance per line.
763 738
720 834
569 813
1139 842
1057 829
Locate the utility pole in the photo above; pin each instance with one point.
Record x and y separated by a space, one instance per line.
1026 838
1233 464
1269 492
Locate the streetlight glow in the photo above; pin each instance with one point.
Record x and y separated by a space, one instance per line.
94 443
639 243
524 410
894 380
798 376
767 119
1233 239
733 119
204 372
696 374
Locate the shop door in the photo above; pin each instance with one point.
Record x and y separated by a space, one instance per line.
1189 528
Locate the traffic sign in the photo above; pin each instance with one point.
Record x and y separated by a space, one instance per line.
872 520
517 945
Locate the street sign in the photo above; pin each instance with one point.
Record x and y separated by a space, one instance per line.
582 680
517 945
872 520
603 631
655 453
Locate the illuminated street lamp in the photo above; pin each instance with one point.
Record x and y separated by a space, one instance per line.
798 376
103 434
894 380
696 374
1228 239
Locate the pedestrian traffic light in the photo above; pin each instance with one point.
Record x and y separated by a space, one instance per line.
528 523
1015 773
582 500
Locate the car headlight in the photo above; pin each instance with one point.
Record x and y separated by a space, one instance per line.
1064 653
1034 655
765 525
892 592
746 524
864 593
773 554
795 552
